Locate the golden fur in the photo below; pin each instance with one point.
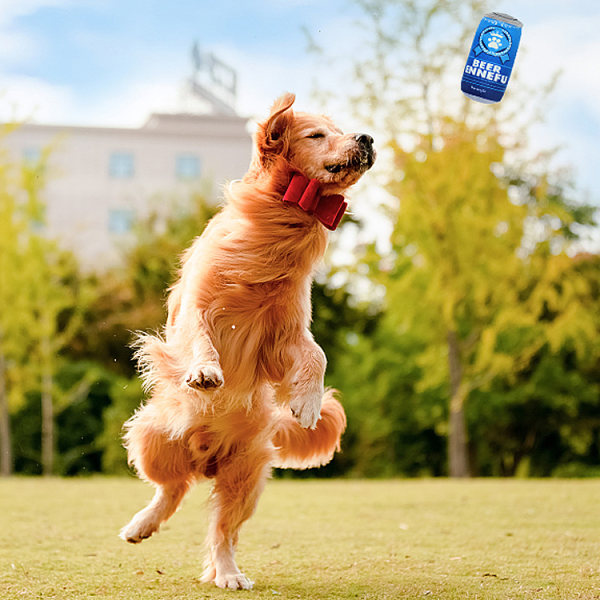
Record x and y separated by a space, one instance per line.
236 384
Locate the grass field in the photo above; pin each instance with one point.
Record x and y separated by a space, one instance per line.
310 539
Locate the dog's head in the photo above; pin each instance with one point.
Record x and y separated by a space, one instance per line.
312 145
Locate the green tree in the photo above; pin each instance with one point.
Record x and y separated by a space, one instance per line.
393 429
40 300
56 297
478 278
57 305
472 270
19 209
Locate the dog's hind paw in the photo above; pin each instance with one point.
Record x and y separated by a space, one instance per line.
204 377
138 529
233 581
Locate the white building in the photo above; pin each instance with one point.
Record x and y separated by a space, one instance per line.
101 179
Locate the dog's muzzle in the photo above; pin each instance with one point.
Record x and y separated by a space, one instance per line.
359 158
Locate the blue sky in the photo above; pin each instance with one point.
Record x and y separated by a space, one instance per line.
94 45
112 62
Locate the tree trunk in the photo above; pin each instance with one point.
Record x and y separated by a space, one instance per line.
458 457
47 412
6 462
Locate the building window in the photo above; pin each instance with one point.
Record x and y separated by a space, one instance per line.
187 166
120 221
120 165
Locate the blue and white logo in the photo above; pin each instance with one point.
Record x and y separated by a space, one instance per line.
495 41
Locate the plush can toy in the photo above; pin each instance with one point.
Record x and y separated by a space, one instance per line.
491 58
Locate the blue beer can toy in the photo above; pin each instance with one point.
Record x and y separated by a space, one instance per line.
491 58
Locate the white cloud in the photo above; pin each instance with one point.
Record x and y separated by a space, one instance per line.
132 103
11 9
17 47
27 98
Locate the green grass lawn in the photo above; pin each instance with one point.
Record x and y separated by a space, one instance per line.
310 539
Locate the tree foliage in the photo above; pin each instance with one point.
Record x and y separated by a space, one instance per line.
18 210
482 358
479 275
40 304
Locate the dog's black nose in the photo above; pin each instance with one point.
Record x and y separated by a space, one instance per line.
364 139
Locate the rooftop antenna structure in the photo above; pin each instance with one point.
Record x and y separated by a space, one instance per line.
213 81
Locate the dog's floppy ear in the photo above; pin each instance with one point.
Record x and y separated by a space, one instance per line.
272 136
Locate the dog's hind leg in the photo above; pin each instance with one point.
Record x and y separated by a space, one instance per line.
165 502
165 463
238 486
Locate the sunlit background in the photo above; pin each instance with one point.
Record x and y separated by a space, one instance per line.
112 63
125 119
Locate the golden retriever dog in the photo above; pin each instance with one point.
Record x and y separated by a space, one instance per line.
236 383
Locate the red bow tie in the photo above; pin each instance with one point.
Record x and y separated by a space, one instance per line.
306 194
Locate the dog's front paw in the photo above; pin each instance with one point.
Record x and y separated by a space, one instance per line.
204 377
307 409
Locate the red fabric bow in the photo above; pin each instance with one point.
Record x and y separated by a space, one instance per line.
306 194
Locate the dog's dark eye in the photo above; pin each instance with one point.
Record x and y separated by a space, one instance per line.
314 136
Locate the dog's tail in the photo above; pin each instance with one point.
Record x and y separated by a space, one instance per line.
299 448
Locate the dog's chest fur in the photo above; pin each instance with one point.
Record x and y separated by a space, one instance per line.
254 324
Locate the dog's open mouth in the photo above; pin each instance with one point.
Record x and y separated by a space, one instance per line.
334 168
